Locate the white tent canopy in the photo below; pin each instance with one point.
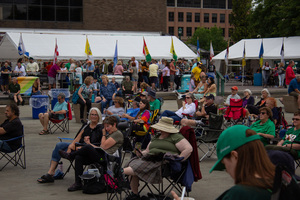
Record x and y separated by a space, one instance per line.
72 45
272 48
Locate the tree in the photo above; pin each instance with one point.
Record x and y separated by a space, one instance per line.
239 19
205 35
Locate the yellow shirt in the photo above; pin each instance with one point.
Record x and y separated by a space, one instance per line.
32 67
196 71
153 70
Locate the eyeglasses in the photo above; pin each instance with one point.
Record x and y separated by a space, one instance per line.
202 76
188 97
263 113
94 114
295 119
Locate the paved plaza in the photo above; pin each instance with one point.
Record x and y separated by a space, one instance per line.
17 183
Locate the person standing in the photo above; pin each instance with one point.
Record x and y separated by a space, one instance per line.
161 66
153 74
20 69
103 67
172 74
85 94
145 71
166 76
5 72
211 70
134 71
196 72
266 72
118 68
52 75
32 66
289 73
281 74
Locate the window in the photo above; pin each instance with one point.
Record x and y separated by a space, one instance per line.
196 28
62 14
229 4
214 18
62 2
206 17
188 31
76 15
171 16
189 3
189 17
171 3
197 17
180 16
220 4
48 2
34 13
30 2
182 31
8 12
48 13
171 30
222 18
75 2
223 32
21 12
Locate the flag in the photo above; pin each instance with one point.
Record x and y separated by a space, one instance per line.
227 54
21 47
88 50
146 51
172 51
116 54
56 53
261 54
211 54
282 51
198 50
244 55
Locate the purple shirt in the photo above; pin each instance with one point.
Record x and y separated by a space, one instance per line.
53 71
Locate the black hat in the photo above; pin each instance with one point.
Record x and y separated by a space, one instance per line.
30 58
152 94
211 96
138 99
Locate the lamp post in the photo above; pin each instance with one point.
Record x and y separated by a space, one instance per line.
179 32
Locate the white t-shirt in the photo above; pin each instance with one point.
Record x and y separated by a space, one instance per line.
190 109
78 71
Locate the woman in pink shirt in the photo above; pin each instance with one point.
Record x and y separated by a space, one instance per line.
119 68
289 73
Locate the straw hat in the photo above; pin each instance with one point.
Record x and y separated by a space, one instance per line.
165 124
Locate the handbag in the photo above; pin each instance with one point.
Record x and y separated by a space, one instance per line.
92 184
75 96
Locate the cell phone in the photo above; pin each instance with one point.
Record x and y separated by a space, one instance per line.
138 151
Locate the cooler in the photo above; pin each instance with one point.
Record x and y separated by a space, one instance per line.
185 83
39 104
257 79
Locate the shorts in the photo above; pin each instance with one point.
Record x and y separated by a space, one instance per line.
51 80
172 78
153 79
295 94
5 81
11 95
134 79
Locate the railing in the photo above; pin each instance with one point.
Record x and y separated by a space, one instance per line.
220 78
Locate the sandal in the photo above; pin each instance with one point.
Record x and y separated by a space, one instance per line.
47 178
43 132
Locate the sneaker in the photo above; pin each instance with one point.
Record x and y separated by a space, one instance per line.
133 196
75 187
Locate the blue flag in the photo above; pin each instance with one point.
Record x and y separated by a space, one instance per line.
198 50
21 48
116 54
261 54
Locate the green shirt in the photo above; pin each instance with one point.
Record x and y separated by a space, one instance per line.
118 137
14 88
154 105
290 136
68 65
127 85
165 145
266 128
242 192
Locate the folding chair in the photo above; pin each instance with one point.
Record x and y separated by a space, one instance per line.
235 113
210 135
177 123
61 124
16 157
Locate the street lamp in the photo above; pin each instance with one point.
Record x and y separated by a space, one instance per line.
179 32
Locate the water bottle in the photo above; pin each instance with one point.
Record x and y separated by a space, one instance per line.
93 98
60 166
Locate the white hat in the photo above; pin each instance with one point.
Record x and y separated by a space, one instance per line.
165 124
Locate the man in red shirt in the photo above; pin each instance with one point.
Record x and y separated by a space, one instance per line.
289 73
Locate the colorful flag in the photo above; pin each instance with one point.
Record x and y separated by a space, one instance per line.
88 50
261 54
211 54
172 51
56 53
227 54
198 50
146 51
21 47
282 51
244 55
116 54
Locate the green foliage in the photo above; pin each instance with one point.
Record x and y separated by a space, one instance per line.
205 35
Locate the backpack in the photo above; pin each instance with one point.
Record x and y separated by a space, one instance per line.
75 96
93 185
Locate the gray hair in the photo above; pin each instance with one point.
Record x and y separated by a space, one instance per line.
267 91
15 78
127 77
249 91
98 112
62 95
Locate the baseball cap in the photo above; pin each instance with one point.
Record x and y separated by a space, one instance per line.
211 96
235 88
229 140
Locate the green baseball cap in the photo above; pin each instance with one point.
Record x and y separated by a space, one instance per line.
229 140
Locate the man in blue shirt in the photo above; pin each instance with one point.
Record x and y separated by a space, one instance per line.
294 88
60 108
131 112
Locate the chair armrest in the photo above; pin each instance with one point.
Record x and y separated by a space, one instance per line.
12 139
61 138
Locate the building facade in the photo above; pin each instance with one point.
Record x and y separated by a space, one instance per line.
125 15
185 16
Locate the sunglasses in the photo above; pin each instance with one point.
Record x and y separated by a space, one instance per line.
188 97
295 119
263 113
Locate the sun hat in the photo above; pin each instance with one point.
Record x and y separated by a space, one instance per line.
152 93
235 88
229 140
165 124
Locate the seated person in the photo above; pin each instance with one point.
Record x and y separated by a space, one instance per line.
207 107
60 108
264 127
262 103
188 108
14 92
169 140
294 88
291 135
90 132
131 112
36 87
272 104
127 86
119 91
95 86
233 95
144 95
112 140
108 92
248 99
201 87
153 101
117 110
11 128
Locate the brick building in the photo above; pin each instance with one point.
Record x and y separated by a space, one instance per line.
125 15
188 15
